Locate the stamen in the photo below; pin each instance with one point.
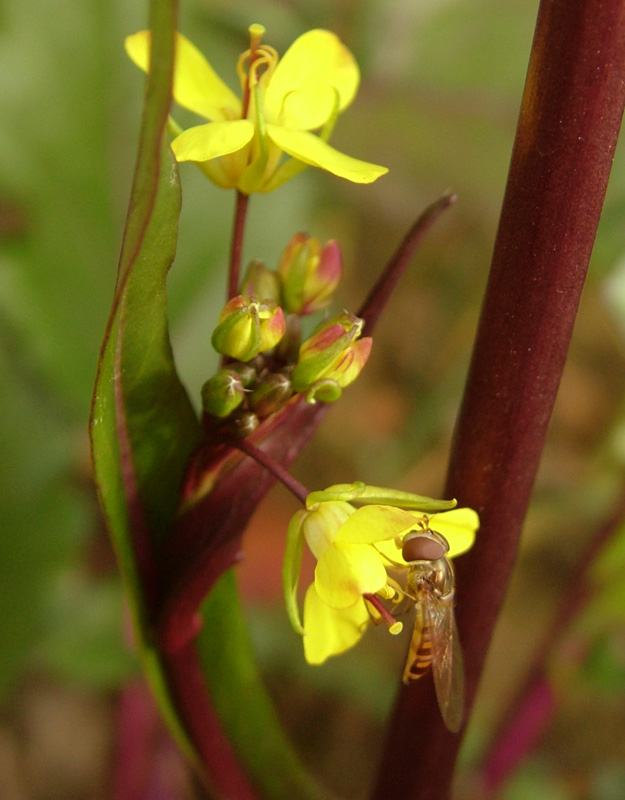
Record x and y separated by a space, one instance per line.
266 60
398 591
393 625
256 34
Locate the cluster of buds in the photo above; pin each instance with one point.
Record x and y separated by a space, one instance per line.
265 361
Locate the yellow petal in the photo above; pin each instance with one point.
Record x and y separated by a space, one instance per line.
315 70
377 523
321 525
204 142
196 85
329 632
458 526
347 571
312 150
392 552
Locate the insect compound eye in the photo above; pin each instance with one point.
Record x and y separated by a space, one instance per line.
421 547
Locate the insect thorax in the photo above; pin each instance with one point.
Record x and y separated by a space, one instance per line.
436 577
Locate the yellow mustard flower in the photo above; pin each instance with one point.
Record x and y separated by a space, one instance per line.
358 552
284 101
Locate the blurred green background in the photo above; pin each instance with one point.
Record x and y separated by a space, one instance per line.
440 91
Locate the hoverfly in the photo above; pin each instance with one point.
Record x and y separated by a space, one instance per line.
435 644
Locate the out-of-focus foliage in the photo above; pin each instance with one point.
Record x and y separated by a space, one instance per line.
438 102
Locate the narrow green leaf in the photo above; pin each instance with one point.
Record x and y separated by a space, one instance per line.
143 427
241 699
143 432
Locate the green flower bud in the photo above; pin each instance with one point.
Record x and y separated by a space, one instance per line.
333 353
261 282
222 393
246 328
270 394
310 273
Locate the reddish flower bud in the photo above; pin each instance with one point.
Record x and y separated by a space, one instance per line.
310 273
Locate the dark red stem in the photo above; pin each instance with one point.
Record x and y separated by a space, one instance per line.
236 245
568 127
275 467
187 683
238 229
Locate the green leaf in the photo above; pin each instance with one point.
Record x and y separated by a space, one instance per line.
241 699
143 427
143 432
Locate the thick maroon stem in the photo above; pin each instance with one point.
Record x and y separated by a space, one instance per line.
569 123
221 769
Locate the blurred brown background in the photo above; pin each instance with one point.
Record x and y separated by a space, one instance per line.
440 91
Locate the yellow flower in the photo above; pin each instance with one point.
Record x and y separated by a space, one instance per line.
355 548
284 100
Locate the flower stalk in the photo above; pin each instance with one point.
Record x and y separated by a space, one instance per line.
236 244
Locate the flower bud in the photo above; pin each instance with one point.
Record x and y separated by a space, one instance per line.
309 274
222 393
270 394
246 372
332 353
261 282
247 328
243 424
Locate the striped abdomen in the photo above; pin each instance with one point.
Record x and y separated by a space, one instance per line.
419 658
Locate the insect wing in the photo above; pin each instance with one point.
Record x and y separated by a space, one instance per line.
446 658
